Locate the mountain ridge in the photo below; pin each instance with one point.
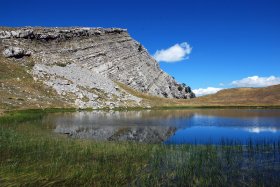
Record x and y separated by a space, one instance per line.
83 64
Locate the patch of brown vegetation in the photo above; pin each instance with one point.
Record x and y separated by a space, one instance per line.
268 96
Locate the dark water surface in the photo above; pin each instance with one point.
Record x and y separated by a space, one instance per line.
200 126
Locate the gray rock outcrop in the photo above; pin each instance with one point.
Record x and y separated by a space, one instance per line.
15 52
87 59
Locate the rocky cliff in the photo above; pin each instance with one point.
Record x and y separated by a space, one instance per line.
84 64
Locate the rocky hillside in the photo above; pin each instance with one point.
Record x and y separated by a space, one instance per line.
18 89
85 65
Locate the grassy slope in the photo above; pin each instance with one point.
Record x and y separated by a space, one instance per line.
268 96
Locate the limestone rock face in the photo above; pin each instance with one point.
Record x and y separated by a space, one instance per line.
72 54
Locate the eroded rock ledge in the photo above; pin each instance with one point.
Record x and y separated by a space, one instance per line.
55 33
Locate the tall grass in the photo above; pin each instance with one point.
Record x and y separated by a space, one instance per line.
29 114
30 154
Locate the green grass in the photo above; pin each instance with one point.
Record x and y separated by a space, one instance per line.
29 114
31 155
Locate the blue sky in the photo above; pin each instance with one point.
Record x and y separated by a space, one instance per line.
231 40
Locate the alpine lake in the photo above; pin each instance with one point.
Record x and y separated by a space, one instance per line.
164 147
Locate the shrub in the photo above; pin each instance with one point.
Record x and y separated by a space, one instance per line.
180 88
188 89
140 48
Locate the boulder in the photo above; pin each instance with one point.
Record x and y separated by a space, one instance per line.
15 52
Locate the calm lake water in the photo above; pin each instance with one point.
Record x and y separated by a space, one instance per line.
200 126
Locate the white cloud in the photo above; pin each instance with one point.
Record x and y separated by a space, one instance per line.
175 53
206 91
256 81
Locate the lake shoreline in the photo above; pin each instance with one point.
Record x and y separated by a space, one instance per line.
51 110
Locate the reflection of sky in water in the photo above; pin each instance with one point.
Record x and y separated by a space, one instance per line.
192 126
261 129
212 129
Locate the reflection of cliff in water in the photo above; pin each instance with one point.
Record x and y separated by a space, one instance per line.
113 133
119 118
153 126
